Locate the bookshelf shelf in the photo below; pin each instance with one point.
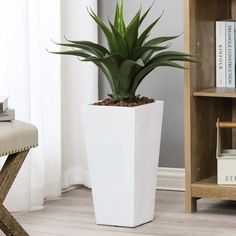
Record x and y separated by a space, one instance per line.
208 188
216 92
204 103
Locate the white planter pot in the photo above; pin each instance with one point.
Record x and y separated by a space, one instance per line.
123 152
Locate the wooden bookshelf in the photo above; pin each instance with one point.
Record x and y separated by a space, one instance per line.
204 103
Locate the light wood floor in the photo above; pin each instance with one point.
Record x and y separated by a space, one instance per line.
73 216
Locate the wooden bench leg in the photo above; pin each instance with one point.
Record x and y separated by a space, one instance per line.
10 169
9 225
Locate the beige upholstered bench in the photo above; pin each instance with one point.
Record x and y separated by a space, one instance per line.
16 139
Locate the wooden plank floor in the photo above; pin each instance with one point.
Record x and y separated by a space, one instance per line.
73 215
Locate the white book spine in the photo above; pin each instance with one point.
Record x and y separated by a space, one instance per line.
220 54
230 55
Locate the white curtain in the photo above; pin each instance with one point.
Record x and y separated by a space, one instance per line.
48 92
79 86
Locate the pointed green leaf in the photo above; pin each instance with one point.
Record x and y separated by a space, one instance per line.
119 23
175 53
116 20
121 45
104 28
146 32
159 40
122 27
147 55
77 53
145 14
185 59
140 52
169 64
169 54
115 58
109 76
131 35
90 45
89 50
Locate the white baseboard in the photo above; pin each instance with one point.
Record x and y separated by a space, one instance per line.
167 179
171 179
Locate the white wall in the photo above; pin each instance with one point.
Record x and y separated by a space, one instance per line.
165 83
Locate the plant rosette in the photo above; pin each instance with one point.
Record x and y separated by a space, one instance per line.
129 57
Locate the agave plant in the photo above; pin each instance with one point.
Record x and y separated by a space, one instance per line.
130 56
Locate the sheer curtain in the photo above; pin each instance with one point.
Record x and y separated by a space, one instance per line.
79 86
48 92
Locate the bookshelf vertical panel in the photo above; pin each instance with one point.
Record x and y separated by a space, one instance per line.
233 16
201 113
189 33
233 9
234 119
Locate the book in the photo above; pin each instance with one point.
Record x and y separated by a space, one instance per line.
3 103
220 54
230 54
7 115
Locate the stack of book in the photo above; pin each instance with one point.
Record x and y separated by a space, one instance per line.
6 114
225 53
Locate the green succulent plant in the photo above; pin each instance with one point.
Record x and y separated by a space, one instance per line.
130 56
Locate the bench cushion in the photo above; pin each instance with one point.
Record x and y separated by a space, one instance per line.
17 136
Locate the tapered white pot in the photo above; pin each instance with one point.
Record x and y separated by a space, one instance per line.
123 152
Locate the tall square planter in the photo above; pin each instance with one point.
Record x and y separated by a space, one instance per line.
123 152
